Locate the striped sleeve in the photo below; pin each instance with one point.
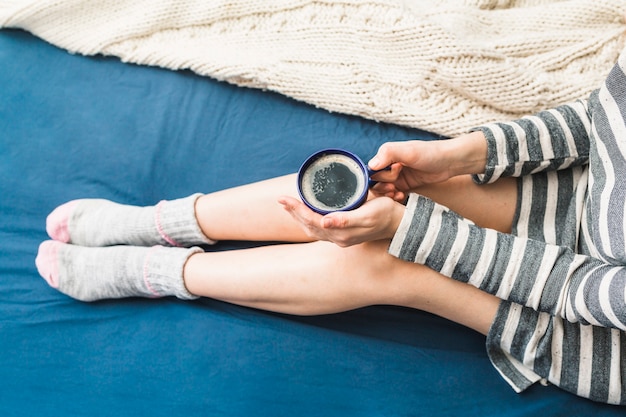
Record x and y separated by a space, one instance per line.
606 206
542 276
550 140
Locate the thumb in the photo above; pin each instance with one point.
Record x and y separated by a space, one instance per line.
336 220
387 154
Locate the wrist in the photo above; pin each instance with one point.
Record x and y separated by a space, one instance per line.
396 216
467 153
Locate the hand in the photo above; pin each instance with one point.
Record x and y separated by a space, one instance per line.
413 163
417 163
377 219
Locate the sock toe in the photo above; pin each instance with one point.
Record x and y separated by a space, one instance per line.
47 262
57 222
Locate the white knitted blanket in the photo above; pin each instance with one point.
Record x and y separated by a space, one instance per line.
440 65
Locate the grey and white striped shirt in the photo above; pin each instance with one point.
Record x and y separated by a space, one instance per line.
562 272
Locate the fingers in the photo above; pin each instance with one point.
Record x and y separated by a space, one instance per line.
299 211
390 153
310 219
388 175
387 189
314 225
336 220
289 203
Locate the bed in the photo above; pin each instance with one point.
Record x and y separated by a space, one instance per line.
73 126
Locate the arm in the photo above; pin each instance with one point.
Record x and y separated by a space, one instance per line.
420 163
542 276
550 140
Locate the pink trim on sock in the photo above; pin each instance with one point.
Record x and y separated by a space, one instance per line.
157 221
155 294
57 222
47 262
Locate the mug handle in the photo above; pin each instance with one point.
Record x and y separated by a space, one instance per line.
370 172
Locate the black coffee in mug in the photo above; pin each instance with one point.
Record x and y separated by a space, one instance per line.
333 180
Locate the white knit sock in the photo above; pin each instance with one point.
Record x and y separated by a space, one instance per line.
90 274
97 222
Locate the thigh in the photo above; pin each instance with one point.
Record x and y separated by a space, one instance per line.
551 206
489 205
302 278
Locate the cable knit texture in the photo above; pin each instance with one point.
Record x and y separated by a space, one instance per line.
444 66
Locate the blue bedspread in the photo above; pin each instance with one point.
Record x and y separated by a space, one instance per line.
73 127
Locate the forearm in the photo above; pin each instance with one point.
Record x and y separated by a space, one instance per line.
545 277
550 140
467 153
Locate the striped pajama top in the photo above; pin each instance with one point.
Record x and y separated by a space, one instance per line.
562 272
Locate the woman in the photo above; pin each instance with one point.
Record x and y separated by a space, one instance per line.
527 217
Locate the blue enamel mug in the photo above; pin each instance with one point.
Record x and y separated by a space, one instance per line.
334 180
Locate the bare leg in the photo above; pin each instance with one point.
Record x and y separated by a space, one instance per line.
305 278
490 205
260 217
250 212
321 278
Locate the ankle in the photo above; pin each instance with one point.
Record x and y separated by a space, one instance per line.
177 222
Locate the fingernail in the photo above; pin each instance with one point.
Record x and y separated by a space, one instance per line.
374 162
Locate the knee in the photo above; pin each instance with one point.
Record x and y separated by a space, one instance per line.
367 264
366 274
